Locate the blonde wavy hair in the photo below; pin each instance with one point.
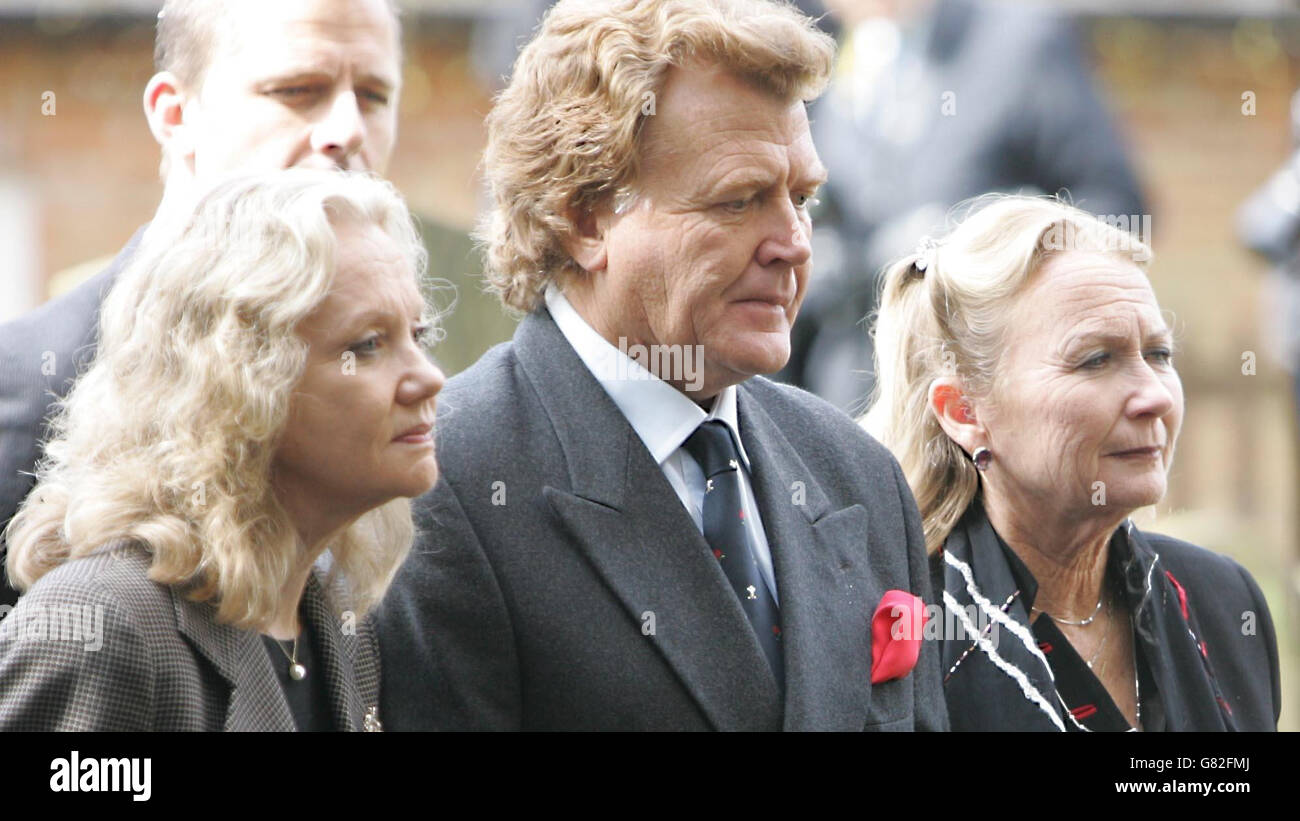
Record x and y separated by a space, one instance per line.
947 316
562 136
168 438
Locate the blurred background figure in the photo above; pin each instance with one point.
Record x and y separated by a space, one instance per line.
935 101
1269 224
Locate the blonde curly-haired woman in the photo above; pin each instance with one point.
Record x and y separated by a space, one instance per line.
225 491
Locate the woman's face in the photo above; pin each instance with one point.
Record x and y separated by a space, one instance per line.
1087 405
360 429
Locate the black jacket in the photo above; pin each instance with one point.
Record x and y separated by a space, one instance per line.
1202 628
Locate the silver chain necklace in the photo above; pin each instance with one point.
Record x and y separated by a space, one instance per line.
1083 623
1105 638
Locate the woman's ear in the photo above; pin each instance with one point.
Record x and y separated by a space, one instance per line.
586 243
956 413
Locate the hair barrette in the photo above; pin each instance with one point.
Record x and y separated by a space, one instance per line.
925 253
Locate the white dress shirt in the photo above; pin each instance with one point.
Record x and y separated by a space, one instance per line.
663 418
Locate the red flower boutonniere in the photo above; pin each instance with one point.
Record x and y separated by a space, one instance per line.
896 630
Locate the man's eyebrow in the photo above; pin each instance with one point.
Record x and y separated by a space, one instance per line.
818 176
295 72
304 72
386 82
748 177
754 178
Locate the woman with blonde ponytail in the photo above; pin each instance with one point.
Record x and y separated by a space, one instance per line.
1025 382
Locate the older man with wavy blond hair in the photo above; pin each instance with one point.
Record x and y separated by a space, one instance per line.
634 529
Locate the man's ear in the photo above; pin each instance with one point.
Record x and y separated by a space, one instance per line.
586 243
956 414
164 108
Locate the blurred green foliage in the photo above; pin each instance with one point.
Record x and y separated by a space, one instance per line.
473 319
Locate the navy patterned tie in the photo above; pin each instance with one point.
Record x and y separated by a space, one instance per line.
724 529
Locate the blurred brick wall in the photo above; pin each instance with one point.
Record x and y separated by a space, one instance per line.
1177 89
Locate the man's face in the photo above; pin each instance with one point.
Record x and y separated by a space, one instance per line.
715 250
310 83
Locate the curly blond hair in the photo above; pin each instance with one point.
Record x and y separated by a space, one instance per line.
947 316
562 136
168 438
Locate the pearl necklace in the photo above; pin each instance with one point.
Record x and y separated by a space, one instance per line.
297 672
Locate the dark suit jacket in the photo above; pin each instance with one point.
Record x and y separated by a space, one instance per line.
165 664
559 582
41 354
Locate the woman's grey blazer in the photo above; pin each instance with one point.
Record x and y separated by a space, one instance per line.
96 645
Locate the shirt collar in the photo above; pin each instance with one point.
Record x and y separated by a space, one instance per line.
660 414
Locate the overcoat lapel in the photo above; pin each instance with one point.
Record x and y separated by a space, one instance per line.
1171 644
620 511
338 645
827 592
1008 669
256 700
